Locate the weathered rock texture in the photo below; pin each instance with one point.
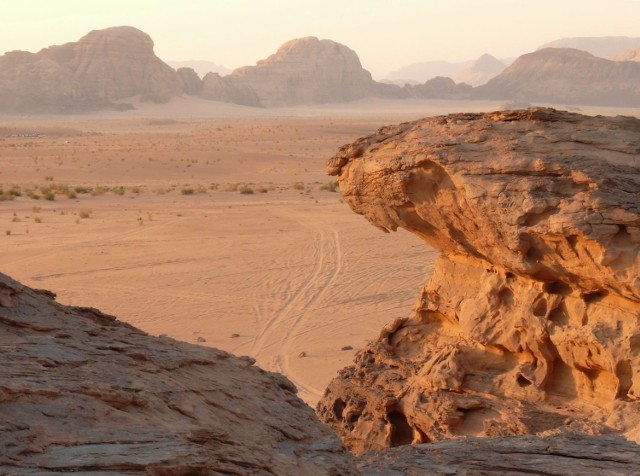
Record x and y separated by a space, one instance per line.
306 71
83 392
531 320
561 454
101 68
566 76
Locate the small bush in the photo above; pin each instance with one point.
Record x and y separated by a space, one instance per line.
245 190
84 213
330 186
49 196
298 186
187 191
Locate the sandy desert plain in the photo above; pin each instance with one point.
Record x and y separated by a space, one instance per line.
149 222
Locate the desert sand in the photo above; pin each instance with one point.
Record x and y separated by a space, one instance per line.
160 235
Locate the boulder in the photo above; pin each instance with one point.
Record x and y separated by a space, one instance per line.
531 320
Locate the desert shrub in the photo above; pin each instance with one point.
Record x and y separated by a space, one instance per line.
80 189
187 191
331 186
298 186
49 195
84 213
245 190
99 190
118 190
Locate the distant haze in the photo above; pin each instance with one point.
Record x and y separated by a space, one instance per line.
386 35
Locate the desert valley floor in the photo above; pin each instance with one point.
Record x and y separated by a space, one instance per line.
217 226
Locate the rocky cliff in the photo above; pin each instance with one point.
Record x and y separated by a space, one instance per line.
95 72
531 320
305 71
566 76
83 392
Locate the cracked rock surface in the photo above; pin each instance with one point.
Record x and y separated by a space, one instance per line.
531 320
81 392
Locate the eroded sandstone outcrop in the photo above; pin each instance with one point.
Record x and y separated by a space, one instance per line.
83 392
531 320
306 71
101 68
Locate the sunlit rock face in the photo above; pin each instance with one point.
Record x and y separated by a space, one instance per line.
531 320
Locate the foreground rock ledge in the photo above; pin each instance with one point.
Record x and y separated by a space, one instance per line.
83 392
531 320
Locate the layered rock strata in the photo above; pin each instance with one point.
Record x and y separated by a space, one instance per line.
531 320
81 392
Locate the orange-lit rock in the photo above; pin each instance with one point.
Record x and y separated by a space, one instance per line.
531 320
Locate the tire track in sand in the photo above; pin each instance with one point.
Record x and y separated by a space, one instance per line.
273 343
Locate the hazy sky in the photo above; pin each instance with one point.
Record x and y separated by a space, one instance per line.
386 34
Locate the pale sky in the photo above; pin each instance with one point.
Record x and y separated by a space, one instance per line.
386 34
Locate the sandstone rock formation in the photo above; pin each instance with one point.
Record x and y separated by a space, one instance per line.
439 88
306 71
101 68
83 392
632 54
481 71
531 320
227 89
566 76
554 454
602 46
191 81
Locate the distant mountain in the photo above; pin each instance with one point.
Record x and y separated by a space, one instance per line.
632 54
200 67
95 72
302 71
566 76
604 47
421 72
481 71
